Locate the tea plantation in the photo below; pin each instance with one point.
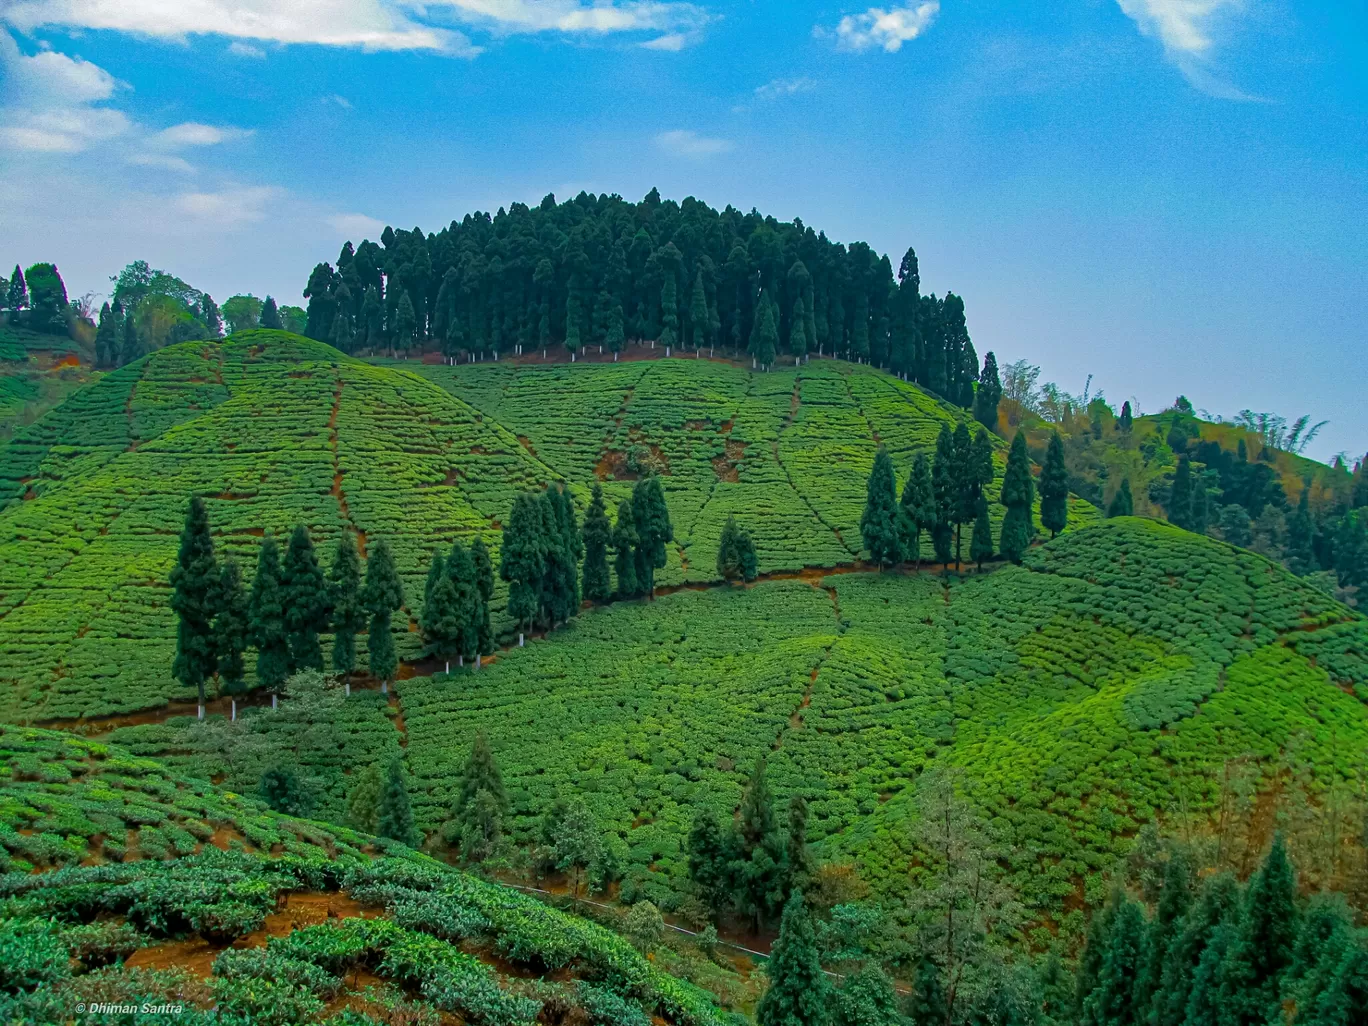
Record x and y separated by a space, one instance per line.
163 890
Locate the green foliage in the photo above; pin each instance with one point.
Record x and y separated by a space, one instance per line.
879 526
363 802
797 994
394 813
282 790
195 595
1054 488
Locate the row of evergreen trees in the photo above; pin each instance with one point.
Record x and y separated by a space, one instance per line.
456 603
602 270
288 606
37 296
127 333
943 494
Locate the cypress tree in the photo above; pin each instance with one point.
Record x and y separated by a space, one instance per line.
1122 504
305 597
729 551
480 775
463 603
349 615
700 324
710 853
107 338
1125 421
572 547
1018 495
989 394
522 561
796 854
1113 1002
232 631
441 622
943 493
750 562
436 571
16 294
1054 488
1218 900
1175 897
194 594
394 816
1301 556
981 545
211 315
757 809
1089 971
797 994
1261 948
598 532
1180 496
625 541
270 315
266 612
615 334
382 595
879 527
484 587
764 341
405 323
341 336
1201 510
1235 526
651 517
798 344
918 507
363 803
132 347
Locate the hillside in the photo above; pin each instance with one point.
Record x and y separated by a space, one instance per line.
162 889
1113 680
277 430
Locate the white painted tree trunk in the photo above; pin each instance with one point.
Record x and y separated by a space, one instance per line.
234 710
615 356
460 660
201 710
667 350
520 639
384 687
274 699
572 356
347 686
477 662
448 665
753 363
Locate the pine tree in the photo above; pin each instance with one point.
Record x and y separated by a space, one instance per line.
305 597
1113 1002
943 493
394 814
484 586
1018 495
1089 971
1201 508
700 324
598 534
1180 496
341 335
459 597
442 620
1261 948
522 560
131 348
1218 900
728 551
989 394
570 550
1235 526
625 541
349 615
798 989
750 560
879 527
981 545
363 803
651 517
211 315
799 862
615 334
107 338
194 595
270 315
1301 557
1054 488
711 854
382 595
1175 897
578 843
480 777
1122 504
918 507
1125 421
797 342
266 612
16 294
405 323
232 630
764 341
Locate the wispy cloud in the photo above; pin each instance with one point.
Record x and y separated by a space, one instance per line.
672 43
1188 31
338 99
686 143
166 161
240 49
229 207
192 133
781 87
52 101
885 28
572 16
355 226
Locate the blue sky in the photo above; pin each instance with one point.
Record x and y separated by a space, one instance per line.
1169 195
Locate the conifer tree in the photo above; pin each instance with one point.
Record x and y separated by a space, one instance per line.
363 803
711 855
442 624
981 545
1125 421
522 561
1113 1002
266 612
1201 509
988 395
194 595
341 336
481 802
764 341
918 507
306 601
232 631
1089 971
1175 898
797 340
965 482
1235 526
282 790
943 494
211 315
615 335
1301 557
270 315
625 542
796 855
1261 947
879 526
750 560
1218 900
349 615
107 338
571 550
16 293
1180 496
728 551
598 534
1123 503
394 814
436 571
382 595
484 586
651 518
1018 495
700 323
1054 488
798 989
405 323
463 604
131 348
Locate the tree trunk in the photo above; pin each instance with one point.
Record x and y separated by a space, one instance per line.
201 700
460 660
448 667
384 687
667 350
477 662
347 685
520 639
615 356
275 698
234 701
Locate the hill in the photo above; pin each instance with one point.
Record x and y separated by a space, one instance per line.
276 430
164 890
1125 675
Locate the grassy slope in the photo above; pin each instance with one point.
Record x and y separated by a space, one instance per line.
1082 693
138 856
277 430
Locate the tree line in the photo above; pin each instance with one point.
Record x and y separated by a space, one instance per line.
601 270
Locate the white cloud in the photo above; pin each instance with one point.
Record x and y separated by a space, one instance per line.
162 160
240 49
685 143
781 87
672 43
884 28
1187 30
228 207
355 226
369 24
50 101
340 100
600 17
192 133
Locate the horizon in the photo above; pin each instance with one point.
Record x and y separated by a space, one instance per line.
1112 186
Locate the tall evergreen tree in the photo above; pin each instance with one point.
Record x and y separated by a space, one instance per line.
405 323
232 631
1301 556
981 545
394 816
211 315
1261 947
711 854
194 596
798 989
988 396
16 293
651 518
1218 900
266 611
1113 1002
918 507
700 323
270 315
1180 496
484 586
943 491
131 347
598 534
522 560
107 338
570 549
1018 496
307 604
383 596
796 855
349 614
463 604
481 801
1201 506
625 543
1175 898
1054 487
764 341
442 621
1123 503
1125 421
879 525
